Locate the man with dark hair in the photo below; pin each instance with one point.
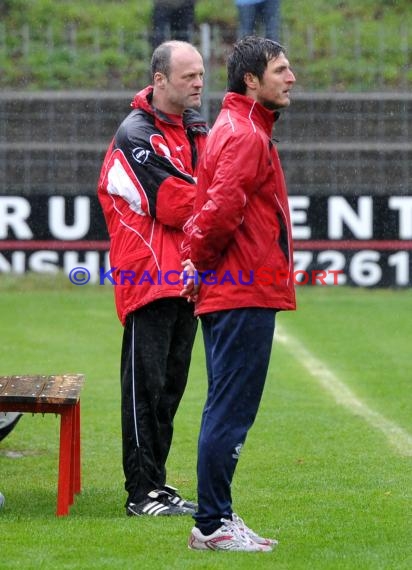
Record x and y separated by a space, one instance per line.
241 232
147 190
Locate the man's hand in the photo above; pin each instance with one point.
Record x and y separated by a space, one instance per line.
190 280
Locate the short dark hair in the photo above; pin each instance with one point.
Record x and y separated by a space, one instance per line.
250 55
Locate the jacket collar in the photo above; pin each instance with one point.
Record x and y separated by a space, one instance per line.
143 100
251 110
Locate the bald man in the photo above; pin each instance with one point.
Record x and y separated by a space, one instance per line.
147 189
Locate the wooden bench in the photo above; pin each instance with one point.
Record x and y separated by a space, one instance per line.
55 395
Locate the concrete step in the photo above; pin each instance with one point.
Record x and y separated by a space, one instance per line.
93 117
348 171
54 142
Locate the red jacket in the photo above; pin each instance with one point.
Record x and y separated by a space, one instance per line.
147 189
241 230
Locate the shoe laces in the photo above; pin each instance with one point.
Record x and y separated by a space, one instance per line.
251 533
237 530
242 525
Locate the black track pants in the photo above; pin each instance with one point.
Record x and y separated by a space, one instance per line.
156 353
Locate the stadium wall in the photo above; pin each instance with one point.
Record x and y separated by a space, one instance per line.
347 160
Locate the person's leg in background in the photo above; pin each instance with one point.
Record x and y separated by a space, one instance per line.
271 19
247 20
160 32
182 22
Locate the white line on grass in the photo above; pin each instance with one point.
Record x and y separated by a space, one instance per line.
398 438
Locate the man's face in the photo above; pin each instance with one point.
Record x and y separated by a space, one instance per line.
277 81
184 85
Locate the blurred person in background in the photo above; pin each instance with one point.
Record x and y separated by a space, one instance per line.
256 15
147 189
8 421
172 19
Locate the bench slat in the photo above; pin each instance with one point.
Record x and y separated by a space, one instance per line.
63 389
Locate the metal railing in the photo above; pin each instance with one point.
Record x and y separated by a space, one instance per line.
349 59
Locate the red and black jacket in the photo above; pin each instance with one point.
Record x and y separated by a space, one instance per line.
147 190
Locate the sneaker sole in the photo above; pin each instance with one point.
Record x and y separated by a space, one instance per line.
157 510
193 544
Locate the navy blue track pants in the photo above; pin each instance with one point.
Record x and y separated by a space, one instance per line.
238 345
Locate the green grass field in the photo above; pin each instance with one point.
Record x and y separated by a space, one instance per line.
326 467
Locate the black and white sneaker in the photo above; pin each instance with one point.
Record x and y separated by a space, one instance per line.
156 504
178 500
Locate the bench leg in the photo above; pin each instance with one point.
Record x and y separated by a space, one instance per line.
66 469
76 455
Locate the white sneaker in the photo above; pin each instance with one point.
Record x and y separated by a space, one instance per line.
252 534
227 537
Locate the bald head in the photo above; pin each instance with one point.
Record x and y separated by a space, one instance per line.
163 54
177 74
